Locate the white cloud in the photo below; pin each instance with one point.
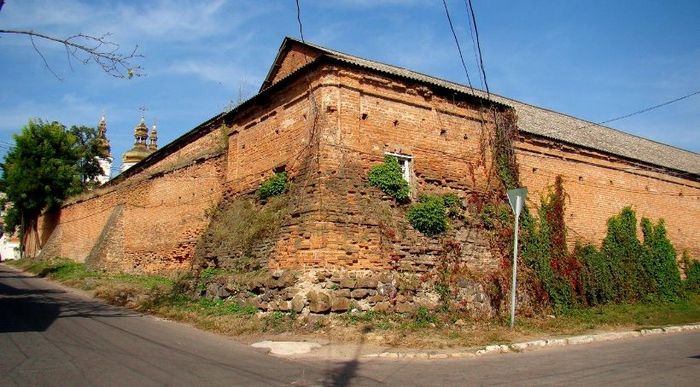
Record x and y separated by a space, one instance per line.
162 20
220 73
182 20
72 110
42 14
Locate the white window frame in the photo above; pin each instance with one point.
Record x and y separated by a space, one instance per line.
406 162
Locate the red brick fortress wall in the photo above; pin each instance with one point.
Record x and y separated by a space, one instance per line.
599 185
361 117
326 126
149 222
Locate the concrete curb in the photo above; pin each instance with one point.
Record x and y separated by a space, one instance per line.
535 344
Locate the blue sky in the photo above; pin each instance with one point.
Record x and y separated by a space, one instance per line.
594 60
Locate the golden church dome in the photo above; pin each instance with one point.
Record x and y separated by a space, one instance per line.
140 150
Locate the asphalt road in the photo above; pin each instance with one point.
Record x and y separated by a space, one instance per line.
51 336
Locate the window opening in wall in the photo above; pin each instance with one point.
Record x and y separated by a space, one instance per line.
405 163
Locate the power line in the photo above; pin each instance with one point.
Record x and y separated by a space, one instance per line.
459 48
473 38
301 29
478 45
642 110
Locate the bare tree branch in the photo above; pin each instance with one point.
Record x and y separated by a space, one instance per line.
86 48
31 38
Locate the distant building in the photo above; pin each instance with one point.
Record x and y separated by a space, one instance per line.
106 162
9 243
142 147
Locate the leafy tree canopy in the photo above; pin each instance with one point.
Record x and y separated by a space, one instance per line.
47 164
89 148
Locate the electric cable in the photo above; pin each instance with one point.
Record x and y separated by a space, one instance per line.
642 110
459 48
478 45
301 29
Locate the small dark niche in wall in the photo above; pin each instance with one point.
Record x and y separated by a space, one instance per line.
364 116
280 168
443 132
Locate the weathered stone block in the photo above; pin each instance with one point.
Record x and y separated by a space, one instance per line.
348 282
298 303
287 279
368 282
341 293
283 306
319 302
340 304
217 290
359 293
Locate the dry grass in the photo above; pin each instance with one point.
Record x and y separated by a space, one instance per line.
239 226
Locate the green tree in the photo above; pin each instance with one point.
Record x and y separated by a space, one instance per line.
46 165
90 147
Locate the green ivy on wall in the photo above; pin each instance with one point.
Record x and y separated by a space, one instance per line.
388 178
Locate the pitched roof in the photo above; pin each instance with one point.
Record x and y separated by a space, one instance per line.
539 121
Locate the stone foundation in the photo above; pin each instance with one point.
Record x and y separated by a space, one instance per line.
333 291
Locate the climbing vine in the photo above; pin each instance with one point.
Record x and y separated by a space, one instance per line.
504 153
627 270
543 247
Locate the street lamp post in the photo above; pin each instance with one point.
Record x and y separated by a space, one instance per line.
516 198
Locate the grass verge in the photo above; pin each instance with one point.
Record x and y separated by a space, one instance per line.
425 329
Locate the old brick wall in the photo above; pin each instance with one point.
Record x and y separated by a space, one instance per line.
326 129
274 135
297 56
600 185
281 134
351 225
148 222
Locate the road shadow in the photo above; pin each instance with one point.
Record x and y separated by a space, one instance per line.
28 307
346 372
